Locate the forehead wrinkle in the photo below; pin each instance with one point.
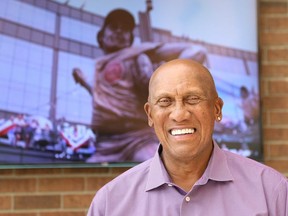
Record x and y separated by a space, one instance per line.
197 71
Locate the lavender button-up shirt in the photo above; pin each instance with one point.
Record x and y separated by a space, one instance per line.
231 185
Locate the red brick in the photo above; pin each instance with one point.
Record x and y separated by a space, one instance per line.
275 38
5 202
279 118
265 118
275 23
275 102
275 134
278 55
61 184
266 151
280 150
18 214
37 202
272 7
37 171
95 183
17 185
118 170
280 165
274 70
278 87
6 172
68 213
86 170
74 201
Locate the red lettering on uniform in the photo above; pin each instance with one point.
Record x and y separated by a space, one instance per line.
113 72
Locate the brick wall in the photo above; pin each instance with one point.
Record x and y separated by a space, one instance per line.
51 192
273 33
63 191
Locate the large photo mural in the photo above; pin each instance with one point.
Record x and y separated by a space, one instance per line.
74 75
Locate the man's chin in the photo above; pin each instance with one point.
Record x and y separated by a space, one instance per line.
116 48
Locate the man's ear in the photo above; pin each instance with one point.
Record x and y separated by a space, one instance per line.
147 109
218 108
99 38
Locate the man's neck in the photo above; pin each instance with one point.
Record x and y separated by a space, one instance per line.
186 173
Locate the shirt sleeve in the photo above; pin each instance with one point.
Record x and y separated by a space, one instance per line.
98 204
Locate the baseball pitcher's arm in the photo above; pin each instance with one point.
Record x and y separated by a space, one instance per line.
169 51
79 78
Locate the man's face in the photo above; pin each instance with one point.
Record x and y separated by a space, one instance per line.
182 108
244 94
116 36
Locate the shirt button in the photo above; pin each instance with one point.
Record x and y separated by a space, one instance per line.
187 199
170 185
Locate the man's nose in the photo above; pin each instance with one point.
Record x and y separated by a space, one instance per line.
119 28
180 112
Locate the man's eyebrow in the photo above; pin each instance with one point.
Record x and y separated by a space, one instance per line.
164 94
195 92
187 94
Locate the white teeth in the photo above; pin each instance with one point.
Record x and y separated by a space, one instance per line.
182 131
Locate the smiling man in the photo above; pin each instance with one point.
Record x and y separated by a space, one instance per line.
190 174
182 109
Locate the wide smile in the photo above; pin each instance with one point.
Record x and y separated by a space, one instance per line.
183 131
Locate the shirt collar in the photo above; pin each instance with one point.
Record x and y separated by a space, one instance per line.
217 169
157 175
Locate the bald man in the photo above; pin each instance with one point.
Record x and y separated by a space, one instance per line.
190 174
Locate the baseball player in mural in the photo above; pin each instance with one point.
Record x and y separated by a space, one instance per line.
120 89
250 106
